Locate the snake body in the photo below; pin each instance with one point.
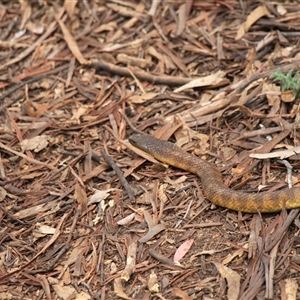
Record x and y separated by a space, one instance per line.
212 182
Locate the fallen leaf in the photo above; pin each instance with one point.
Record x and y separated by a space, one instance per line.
181 294
281 154
152 232
71 42
134 61
64 292
230 256
6 295
36 143
281 9
289 289
99 195
69 6
203 81
80 195
41 231
3 194
153 284
255 15
233 281
182 250
110 26
138 99
127 219
272 92
44 229
288 96
35 28
118 289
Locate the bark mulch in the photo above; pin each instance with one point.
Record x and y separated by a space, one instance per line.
85 215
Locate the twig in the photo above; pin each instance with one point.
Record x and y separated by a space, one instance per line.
119 173
48 244
130 261
51 28
290 218
18 86
270 275
289 168
130 124
161 258
32 160
140 74
82 91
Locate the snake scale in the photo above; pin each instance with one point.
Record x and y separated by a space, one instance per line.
212 182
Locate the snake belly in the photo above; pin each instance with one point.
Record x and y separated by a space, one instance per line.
212 183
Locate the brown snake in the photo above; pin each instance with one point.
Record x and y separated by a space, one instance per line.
212 182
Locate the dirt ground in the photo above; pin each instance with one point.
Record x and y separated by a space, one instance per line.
86 215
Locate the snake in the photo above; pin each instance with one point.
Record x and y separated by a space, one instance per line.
213 187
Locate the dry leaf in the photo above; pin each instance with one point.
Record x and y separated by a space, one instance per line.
99 196
255 15
181 294
230 256
118 289
36 143
64 292
37 209
77 113
203 81
71 42
35 110
233 281
138 99
281 9
153 284
272 92
152 232
69 6
281 154
110 26
134 61
80 195
44 229
127 219
59 90
3 193
26 13
289 289
288 96
35 28
182 250
122 10
6 296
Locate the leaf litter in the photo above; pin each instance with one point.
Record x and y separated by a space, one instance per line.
83 215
